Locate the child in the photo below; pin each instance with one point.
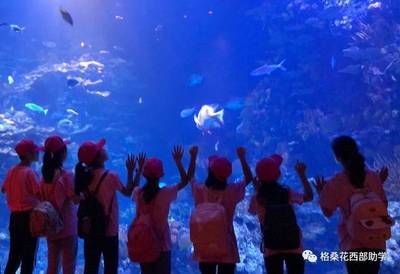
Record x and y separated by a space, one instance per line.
282 240
216 192
21 187
57 187
338 193
91 177
153 200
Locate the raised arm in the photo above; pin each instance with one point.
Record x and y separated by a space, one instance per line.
177 154
194 150
248 175
130 167
300 168
140 160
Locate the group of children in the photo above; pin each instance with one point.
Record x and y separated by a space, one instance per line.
211 223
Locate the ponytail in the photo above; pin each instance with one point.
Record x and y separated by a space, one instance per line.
150 190
51 163
214 183
347 153
355 169
83 176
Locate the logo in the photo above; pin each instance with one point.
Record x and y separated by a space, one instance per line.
308 255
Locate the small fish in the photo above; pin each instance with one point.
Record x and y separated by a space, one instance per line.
72 82
10 80
187 112
376 5
140 101
118 17
352 69
16 28
216 146
195 80
100 93
72 111
36 108
66 16
353 52
268 69
333 62
209 118
235 104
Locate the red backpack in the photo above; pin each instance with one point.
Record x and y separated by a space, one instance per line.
369 222
143 241
209 229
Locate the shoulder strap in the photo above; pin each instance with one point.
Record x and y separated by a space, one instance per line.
100 181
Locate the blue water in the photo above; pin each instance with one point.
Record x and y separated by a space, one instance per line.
126 69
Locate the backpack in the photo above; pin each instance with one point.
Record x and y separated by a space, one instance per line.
209 229
369 222
92 220
280 228
143 242
45 220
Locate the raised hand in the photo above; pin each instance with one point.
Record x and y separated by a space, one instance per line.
130 163
193 151
300 168
141 159
319 184
177 153
241 152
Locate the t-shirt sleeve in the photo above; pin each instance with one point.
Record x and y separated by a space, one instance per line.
253 206
115 181
6 184
170 193
33 183
135 194
295 197
237 191
196 190
328 198
377 186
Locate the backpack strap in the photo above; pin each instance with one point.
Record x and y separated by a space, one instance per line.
100 181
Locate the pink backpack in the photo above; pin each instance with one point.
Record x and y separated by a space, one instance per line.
45 220
209 229
143 242
369 222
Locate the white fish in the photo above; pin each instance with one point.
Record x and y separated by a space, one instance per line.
216 146
209 118
267 69
118 17
140 101
100 93
72 111
187 112
10 80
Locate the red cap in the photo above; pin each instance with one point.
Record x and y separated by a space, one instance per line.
220 167
153 168
89 150
268 169
26 146
55 143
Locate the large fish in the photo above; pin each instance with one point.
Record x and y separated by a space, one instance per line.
267 69
209 118
36 108
66 16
